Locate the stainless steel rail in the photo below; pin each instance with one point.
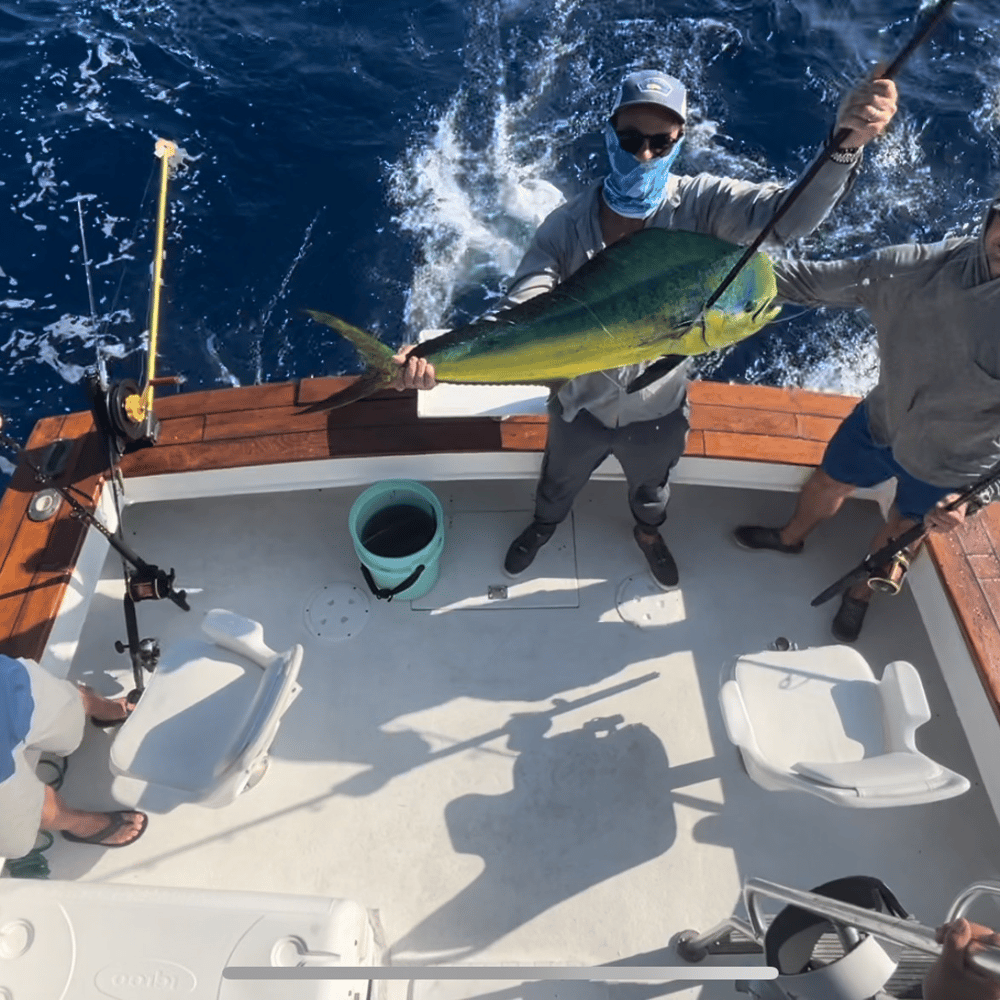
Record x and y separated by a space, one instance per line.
965 899
908 933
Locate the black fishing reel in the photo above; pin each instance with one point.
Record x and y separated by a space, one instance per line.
151 583
888 579
121 414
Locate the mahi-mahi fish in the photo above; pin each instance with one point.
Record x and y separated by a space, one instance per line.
640 299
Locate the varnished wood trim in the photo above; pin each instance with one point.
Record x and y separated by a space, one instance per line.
763 448
975 603
816 428
261 423
252 397
761 397
695 444
524 433
728 419
38 564
181 430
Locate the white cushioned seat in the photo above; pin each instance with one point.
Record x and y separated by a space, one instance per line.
817 720
210 711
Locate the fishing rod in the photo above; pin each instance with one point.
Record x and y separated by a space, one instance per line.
151 581
663 365
124 410
144 581
899 544
124 417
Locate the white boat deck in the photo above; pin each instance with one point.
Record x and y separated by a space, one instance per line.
529 781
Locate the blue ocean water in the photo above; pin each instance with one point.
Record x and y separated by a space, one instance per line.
388 162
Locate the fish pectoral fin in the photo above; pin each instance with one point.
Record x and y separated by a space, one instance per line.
682 327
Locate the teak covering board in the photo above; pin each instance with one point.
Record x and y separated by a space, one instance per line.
270 424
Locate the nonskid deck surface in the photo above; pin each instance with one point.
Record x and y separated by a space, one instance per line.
536 781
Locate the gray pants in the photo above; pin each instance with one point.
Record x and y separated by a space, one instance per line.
647 451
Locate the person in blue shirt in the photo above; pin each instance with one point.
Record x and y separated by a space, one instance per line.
41 713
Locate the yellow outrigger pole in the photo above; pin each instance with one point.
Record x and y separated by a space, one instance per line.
139 408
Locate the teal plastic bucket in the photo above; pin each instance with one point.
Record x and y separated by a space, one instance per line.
397 527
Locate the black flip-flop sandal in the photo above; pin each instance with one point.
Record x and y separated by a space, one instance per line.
131 700
117 820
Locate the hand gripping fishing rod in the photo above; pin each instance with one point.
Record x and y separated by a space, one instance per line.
664 365
900 543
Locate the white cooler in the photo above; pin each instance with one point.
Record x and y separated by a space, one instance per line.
93 941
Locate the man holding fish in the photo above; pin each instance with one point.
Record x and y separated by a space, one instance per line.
594 415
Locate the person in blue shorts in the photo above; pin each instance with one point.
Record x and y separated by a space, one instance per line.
933 420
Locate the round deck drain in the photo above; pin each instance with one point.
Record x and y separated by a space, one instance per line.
337 611
642 603
44 505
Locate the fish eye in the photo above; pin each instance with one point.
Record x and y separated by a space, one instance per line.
749 307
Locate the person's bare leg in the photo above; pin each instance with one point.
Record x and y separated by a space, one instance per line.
820 498
57 815
104 709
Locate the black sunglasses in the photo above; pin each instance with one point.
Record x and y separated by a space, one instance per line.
632 140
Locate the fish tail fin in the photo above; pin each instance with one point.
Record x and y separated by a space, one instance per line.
376 354
377 357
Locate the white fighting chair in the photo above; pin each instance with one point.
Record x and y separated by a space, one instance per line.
209 713
816 720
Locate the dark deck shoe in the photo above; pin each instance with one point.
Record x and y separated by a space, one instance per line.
524 548
752 536
848 621
661 562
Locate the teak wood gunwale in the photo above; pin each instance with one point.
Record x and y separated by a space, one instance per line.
270 424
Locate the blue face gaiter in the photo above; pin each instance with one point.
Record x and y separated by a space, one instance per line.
633 189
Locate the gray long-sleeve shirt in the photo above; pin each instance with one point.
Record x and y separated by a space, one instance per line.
936 313
729 209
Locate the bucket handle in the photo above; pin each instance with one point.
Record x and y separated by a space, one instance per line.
385 593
